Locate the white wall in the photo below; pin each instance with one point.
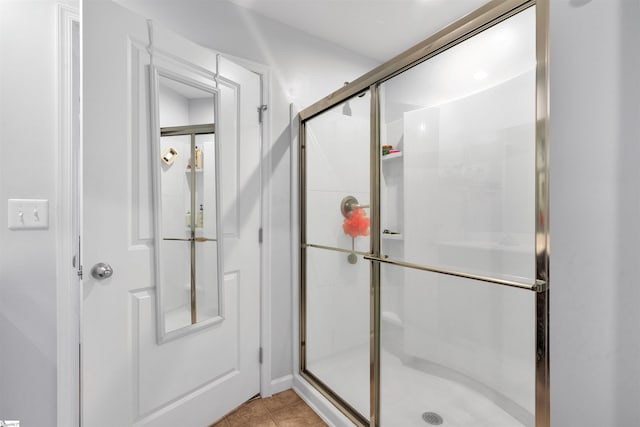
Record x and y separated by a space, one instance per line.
305 69
28 143
595 207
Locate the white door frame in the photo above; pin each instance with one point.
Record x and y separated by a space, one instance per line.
68 220
67 215
266 386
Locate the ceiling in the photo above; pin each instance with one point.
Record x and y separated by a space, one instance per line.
378 29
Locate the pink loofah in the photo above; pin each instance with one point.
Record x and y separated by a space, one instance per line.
356 223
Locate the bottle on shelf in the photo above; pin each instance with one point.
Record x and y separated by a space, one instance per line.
198 158
389 152
200 218
187 219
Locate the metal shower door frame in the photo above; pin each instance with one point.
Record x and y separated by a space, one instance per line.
490 14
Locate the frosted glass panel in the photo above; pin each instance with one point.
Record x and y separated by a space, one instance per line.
462 349
337 321
458 180
337 162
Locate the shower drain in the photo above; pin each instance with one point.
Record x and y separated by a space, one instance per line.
432 418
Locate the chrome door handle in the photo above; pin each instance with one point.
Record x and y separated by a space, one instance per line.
101 271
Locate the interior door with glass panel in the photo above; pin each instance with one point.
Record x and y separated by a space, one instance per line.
170 203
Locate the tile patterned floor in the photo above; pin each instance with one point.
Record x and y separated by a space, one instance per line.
284 409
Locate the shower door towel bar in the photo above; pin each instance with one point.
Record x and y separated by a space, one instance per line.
538 286
331 248
190 239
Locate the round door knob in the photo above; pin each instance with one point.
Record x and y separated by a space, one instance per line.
101 271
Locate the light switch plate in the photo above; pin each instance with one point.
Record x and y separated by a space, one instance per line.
28 214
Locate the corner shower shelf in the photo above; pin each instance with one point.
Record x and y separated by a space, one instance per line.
189 170
392 156
388 236
391 317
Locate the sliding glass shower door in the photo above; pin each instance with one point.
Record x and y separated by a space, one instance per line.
336 227
458 202
424 234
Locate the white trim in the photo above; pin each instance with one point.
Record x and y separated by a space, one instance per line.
252 66
266 383
267 386
320 405
281 384
294 125
67 282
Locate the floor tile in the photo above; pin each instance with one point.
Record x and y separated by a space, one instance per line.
249 414
297 415
281 400
255 422
284 409
221 423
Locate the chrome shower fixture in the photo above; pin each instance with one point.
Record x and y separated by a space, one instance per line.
346 109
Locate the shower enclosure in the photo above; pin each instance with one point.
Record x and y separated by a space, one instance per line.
424 230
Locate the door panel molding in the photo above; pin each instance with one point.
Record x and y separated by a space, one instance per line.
141 203
151 374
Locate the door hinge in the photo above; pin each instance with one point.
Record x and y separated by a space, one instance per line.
261 110
77 260
260 235
260 355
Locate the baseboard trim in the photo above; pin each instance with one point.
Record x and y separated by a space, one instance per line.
321 406
281 384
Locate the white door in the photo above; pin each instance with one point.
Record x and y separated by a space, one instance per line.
127 378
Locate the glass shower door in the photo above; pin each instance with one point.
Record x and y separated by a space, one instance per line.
335 322
457 174
440 317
